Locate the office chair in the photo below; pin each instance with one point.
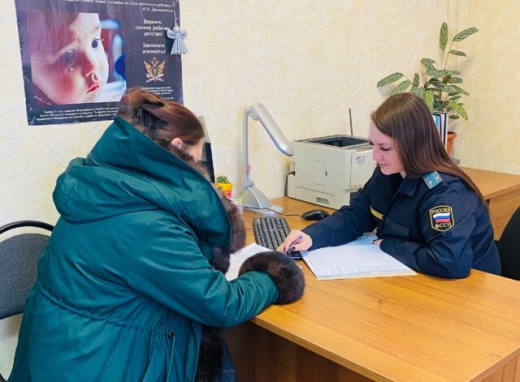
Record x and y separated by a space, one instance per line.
509 247
19 255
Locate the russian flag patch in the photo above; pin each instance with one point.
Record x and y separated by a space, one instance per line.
441 218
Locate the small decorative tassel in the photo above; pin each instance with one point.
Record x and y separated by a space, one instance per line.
177 35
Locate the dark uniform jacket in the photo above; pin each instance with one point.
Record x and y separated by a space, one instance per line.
125 282
435 225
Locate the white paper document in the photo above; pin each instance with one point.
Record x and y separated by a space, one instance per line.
359 258
237 258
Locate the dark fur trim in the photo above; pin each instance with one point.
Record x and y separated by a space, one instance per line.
285 272
209 368
210 355
188 159
220 255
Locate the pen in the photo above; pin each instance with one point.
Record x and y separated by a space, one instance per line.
298 239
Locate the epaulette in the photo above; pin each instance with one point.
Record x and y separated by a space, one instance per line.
432 179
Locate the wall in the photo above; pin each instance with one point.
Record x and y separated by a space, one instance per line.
490 138
308 64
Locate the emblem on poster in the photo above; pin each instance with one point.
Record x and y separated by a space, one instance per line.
154 70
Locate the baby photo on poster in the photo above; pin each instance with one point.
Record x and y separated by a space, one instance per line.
75 58
79 57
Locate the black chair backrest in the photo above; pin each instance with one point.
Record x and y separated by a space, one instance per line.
509 247
19 255
26 223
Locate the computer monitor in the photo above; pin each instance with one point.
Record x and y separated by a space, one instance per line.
440 119
207 155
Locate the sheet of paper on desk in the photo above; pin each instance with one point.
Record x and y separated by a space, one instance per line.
239 257
354 260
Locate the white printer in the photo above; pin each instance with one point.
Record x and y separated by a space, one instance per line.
328 170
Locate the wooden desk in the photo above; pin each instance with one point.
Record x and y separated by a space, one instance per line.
414 328
502 191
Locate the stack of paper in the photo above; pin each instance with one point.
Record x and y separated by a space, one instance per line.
359 258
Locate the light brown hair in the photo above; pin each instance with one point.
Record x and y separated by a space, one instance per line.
43 29
159 119
408 121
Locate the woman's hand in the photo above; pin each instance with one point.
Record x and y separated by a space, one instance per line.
297 240
377 242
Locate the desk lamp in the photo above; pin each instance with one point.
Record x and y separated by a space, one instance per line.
253 199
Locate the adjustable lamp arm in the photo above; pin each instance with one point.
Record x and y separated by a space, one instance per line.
247 182
258 112
253 197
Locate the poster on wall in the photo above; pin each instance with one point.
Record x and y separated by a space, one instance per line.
80 56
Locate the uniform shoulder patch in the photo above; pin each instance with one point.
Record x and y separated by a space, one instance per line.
441 218
432 179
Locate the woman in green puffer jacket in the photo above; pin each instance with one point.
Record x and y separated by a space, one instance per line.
127 279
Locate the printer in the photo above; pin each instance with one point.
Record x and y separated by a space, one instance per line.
329 170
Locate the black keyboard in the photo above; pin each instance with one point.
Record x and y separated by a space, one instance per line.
270 232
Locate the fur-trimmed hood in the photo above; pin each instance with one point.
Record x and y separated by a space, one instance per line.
127 172
221 255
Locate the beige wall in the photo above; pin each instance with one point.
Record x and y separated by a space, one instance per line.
307 63
490 139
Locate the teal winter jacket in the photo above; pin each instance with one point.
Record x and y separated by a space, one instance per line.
125 281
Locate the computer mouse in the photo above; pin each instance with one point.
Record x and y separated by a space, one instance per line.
315 215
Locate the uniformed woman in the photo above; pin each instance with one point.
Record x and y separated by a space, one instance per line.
427 212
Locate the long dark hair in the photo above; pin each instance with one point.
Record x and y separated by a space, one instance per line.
407 120
159 119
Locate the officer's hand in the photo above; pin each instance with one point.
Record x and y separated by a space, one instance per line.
297 240
377 242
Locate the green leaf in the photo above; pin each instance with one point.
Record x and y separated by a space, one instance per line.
390 79
458 90
428 63
401 87
429 98
455 98
443 37
443 87
442 73
417 91
457 53
465 33
455 80
416 79
459 109
430 83
222 179
453 116
434 73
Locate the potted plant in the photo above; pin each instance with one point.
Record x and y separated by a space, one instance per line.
440 87
225 185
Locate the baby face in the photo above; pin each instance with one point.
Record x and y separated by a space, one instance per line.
74 67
